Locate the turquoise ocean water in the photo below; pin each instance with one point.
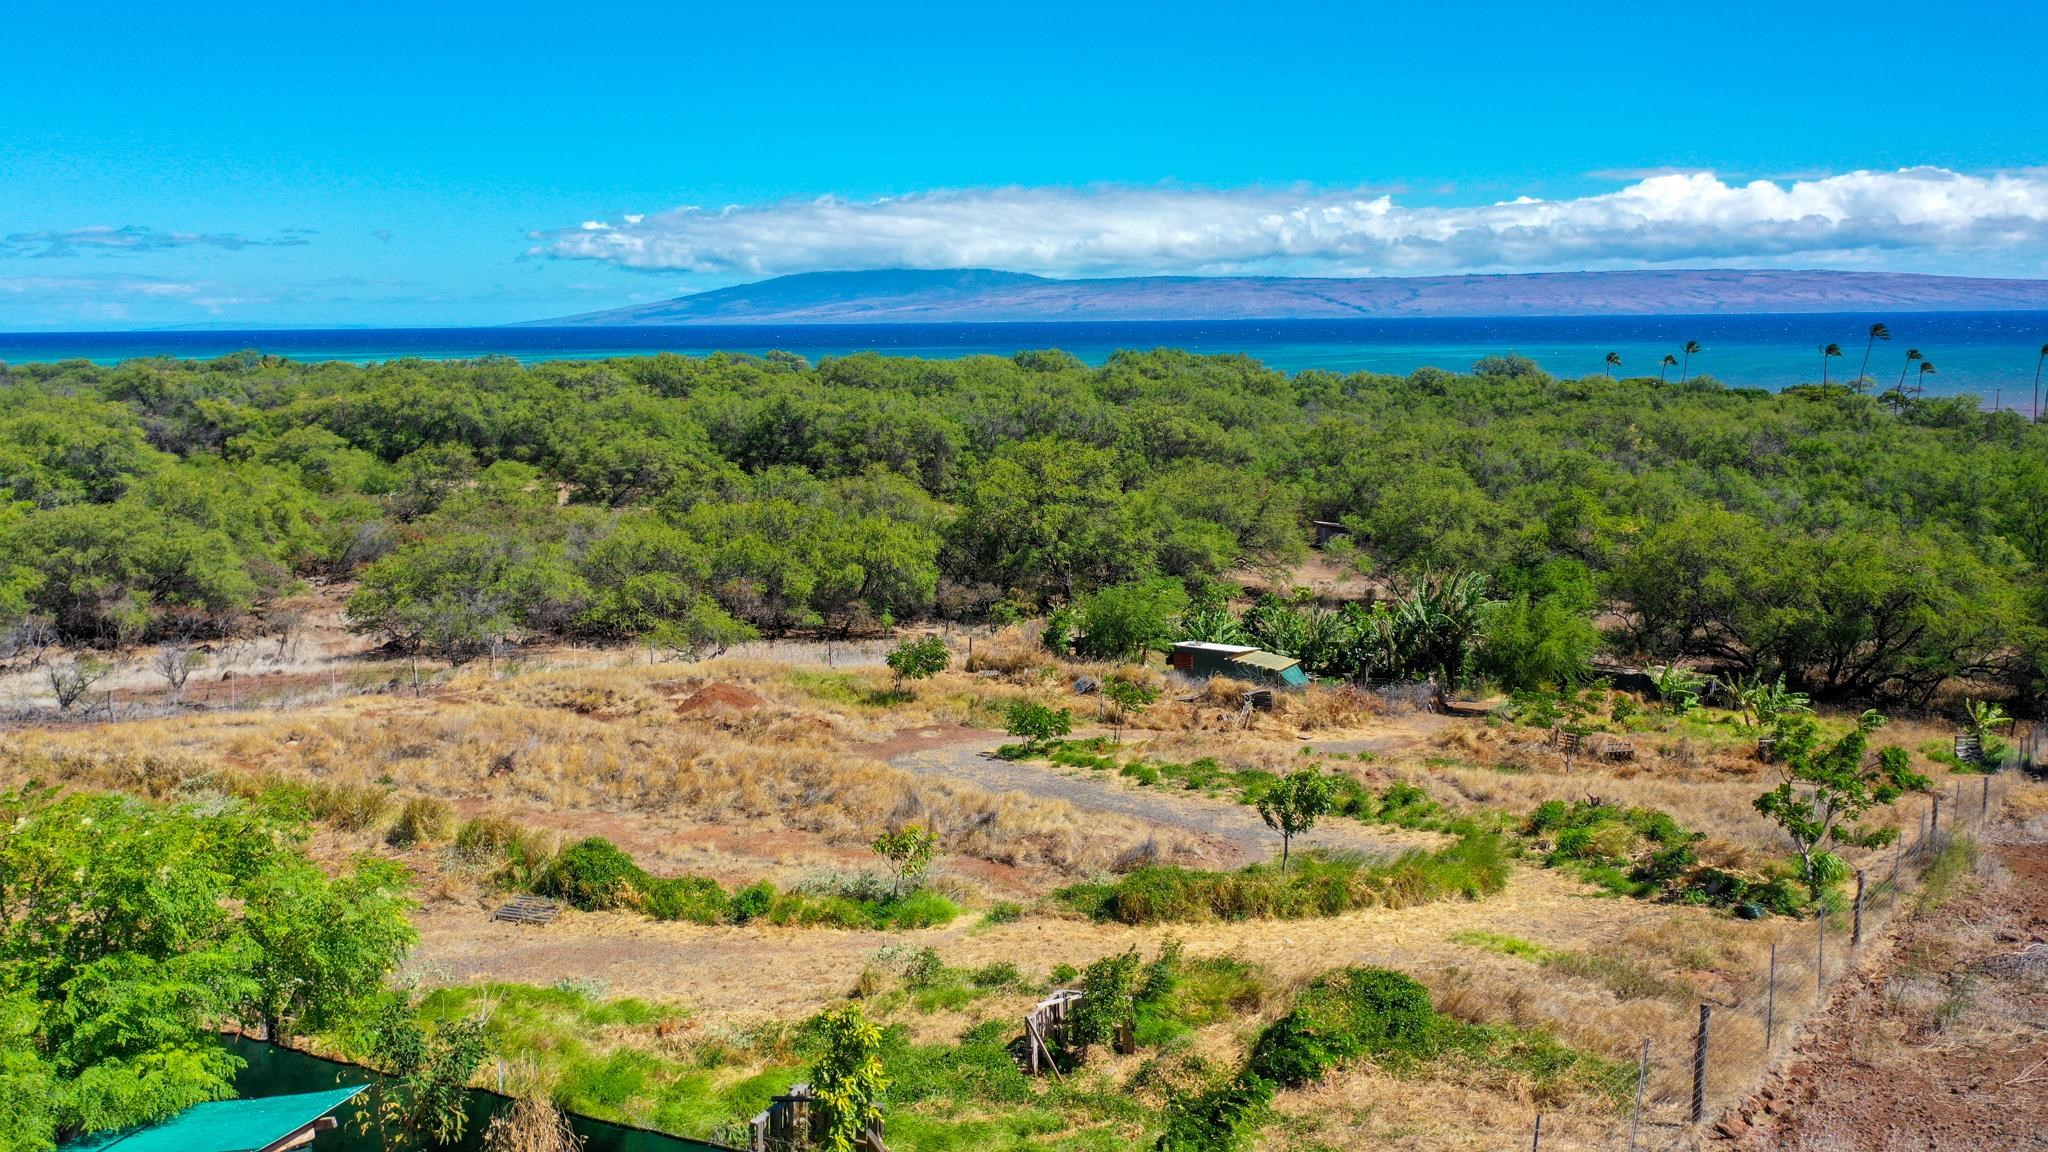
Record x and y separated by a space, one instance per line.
1989 354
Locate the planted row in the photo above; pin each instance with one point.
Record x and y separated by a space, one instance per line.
595 875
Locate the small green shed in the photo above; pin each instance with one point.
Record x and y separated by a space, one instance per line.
1202 658
263 1124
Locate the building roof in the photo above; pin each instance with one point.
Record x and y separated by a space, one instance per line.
1225 649
224 1125
1266 660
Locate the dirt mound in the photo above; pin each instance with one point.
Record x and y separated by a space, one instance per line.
719 696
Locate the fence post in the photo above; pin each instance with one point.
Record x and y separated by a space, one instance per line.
1771 1001
1699 1064
1891 899
1820 955
1934 826
1536 1141
1642 1077
1856 925
1984 801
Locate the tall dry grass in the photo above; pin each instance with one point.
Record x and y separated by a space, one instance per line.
605 740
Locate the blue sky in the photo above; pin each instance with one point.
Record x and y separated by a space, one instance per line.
425 163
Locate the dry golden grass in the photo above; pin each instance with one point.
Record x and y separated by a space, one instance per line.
602 740
792 777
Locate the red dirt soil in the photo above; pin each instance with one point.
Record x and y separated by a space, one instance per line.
1942 1046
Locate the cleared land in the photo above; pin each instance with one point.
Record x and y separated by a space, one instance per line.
775 766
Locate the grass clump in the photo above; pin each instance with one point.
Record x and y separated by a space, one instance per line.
1625 978
1384 1016
1318 884
1644 853
421 820
595 875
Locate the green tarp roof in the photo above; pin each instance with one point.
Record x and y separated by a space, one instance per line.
222 1126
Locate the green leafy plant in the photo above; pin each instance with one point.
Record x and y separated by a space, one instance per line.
1825 789
909 852
1292 805
1037 724
848 1077
1126 698
919 659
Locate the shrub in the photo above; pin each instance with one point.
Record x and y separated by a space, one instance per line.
924 969
697 899
996 975
751 903
1319 885
592 875
1003 912
421 820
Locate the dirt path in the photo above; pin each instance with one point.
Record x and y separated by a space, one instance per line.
1944 1045
1233 830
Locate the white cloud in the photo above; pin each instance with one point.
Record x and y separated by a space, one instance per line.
1914 215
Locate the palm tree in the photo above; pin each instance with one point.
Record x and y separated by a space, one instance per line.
1926 369
2036 417
1877 332
1685 366
1827 352
1613 362
1912 354
1669 360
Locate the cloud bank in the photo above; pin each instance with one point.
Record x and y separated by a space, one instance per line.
133 239
1914 215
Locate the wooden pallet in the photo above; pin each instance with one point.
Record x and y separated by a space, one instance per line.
529 910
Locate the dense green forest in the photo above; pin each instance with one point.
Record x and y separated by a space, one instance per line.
1863 546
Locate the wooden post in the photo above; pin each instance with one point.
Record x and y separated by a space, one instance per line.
1934 824
1856 925
1699 1064
1536 1141
1984 801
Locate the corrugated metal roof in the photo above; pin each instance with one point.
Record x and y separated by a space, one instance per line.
222 1126
1266 660
1205 646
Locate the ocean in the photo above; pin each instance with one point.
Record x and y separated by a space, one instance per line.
1989 354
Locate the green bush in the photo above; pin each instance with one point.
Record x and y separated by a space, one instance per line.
697 899
591 875
1003 912
1319 884
751 903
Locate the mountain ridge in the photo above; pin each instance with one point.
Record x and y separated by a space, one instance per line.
982 295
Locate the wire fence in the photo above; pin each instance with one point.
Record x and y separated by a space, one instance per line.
1664 1095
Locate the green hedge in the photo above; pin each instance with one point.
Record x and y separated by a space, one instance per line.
1317 884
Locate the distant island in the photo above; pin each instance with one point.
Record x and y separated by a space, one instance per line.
980 295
